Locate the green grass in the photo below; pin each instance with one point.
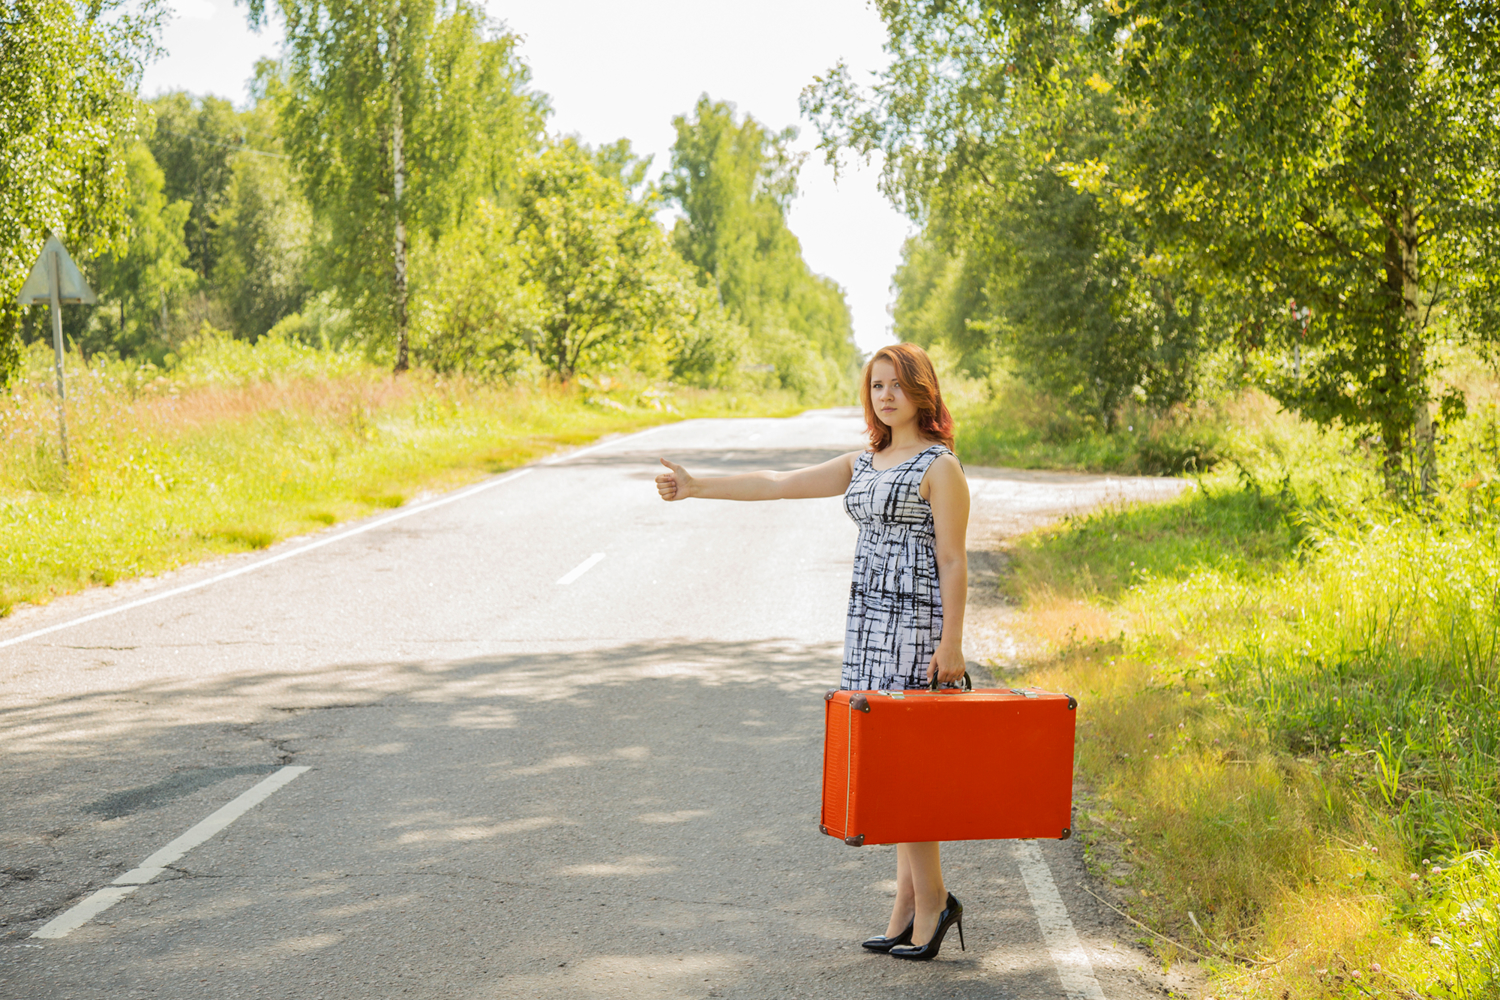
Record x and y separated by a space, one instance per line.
1013 426
238 447
1290 693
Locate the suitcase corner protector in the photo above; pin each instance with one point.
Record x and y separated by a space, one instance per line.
1072 703
856 841
860 703
1067 833
824 830
830 694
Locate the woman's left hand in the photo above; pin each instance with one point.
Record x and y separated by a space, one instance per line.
947 664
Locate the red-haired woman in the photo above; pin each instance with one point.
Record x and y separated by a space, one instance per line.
908 495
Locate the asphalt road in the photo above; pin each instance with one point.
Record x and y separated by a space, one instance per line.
517 787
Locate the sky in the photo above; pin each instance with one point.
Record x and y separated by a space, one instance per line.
624 69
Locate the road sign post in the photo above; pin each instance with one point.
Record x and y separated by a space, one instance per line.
55 279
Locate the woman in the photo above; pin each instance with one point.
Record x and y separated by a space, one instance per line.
908 495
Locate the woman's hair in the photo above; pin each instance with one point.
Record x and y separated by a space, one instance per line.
919 381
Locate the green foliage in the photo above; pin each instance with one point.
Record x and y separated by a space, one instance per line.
1315 180
1025 254
213 358
396 117
475 311
195 141
1282 666
67 78
264 232
577 276
940 300
734 180
1022 428
1331 167
608 287
139 285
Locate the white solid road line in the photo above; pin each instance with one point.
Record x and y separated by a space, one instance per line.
97 902
580 569
273 560
570 455
1073 965
301 549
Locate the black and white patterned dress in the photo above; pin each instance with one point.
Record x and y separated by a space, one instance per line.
895 606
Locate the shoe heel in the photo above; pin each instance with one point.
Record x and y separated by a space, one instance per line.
960 927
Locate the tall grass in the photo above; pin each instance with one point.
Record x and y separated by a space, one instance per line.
234 447
1010 424
1289 710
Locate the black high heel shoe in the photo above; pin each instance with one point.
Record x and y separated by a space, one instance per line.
881 943
952 916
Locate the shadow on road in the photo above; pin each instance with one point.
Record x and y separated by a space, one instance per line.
637 820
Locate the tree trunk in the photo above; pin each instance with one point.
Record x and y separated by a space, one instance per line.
1391 415
1422 430
398 172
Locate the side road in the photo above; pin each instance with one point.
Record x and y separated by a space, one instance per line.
561 739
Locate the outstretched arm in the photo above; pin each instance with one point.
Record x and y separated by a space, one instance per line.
829 479
948 492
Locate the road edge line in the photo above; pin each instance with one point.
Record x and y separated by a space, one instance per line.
319 543
1073 966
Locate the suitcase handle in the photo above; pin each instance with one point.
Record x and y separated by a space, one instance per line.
932 685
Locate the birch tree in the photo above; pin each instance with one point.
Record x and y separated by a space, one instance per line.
996 124
1326 173
398 115
1336 167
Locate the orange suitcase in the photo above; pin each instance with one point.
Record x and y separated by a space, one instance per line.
911 766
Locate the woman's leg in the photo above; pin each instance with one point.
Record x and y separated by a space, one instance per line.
924 866
905 905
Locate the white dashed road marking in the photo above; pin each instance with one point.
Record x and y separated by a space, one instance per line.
580 569
96 903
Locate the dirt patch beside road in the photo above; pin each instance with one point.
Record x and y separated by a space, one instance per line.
1007 503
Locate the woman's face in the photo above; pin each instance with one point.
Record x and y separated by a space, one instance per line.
890 401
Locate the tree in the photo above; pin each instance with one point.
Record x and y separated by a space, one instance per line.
735 181
995 123
475 311
140 284
195 142
1334 166
67 79
607 285
398 117
263 232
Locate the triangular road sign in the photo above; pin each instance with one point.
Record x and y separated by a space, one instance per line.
71 286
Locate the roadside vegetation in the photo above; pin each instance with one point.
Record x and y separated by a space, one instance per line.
1290 721
234 446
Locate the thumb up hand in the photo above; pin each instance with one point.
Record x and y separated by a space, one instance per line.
674 484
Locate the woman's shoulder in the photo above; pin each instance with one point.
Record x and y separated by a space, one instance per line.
939 452
945 471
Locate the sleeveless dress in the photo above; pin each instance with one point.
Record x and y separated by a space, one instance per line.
895 606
